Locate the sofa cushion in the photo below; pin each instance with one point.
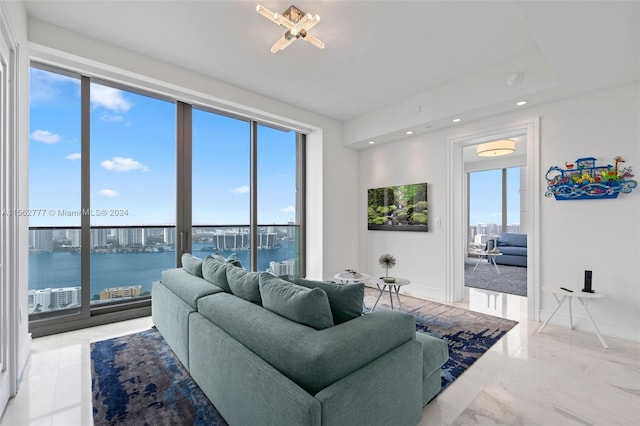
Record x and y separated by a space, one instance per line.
308 306
516 251
192 264
234 260
215 271
244 284
511 239
345 300
188 287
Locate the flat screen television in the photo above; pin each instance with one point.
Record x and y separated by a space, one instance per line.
398 208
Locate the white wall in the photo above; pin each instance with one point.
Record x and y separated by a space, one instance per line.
600 235
420 255
17 19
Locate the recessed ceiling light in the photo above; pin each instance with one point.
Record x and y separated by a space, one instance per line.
457 120
521 103
372 142
409 132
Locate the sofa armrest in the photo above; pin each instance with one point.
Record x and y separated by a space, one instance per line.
387 391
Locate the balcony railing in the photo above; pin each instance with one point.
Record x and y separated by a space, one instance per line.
126 260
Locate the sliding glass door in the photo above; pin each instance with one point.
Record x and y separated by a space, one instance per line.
55 208
278 223
220 186
122 182
132 195
245 192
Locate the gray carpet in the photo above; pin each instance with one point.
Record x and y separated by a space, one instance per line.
512 279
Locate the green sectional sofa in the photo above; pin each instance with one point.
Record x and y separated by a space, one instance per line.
273 352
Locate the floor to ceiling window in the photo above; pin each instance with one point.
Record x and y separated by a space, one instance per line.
133 184
107 180
54 193
220 185
494 204
278 223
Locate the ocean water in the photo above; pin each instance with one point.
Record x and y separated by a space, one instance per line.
62 269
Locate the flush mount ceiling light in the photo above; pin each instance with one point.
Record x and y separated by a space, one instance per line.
296 23
496 148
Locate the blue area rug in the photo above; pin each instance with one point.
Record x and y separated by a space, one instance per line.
138 380
468 334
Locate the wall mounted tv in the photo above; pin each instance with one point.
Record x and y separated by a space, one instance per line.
398 208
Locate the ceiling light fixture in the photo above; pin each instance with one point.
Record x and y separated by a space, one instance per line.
372 142
521 103
496 148
408 132
457 120
297 24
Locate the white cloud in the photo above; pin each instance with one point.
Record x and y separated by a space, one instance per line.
241 189
74 156
45 86
121 164
107 193
111 118
109 98
45 136
289 209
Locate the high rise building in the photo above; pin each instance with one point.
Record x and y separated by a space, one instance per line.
49 299
267 240
130 236
41 240
99 237
65 297
41 299
169 236
286 267
73 235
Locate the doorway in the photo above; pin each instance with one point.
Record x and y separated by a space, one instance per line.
496 219
457 207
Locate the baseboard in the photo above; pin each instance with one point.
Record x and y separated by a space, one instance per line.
582 324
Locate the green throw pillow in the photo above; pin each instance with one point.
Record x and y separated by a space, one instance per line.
345 299
300 304
244 284
215 271
233 259
192 264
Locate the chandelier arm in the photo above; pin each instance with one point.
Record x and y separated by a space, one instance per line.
313 40
281 44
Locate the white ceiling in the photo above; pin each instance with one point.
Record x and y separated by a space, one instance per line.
377 52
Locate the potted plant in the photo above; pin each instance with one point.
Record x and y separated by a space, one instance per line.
387 261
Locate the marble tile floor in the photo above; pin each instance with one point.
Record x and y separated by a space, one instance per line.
560 377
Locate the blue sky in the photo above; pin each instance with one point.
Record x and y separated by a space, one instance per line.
133 160
485 196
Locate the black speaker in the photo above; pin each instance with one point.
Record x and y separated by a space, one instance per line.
587 282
